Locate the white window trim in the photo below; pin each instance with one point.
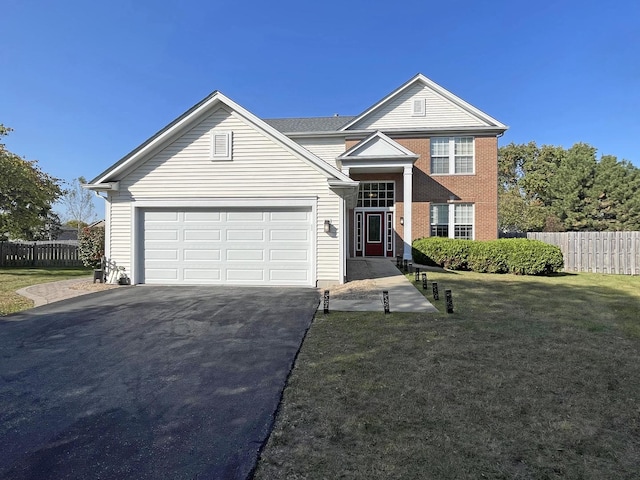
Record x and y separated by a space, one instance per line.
452 156
228 153
452 218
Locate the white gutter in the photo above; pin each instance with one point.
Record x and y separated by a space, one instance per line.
102 187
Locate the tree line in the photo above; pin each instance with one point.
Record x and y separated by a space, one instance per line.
28 196
550 188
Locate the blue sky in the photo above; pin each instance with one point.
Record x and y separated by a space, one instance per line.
83 83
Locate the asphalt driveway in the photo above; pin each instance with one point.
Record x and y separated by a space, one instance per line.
146 382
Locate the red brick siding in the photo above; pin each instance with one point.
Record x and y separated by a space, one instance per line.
481 188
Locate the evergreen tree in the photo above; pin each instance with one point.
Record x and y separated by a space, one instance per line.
570 188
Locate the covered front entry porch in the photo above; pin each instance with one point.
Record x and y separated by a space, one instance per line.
379 225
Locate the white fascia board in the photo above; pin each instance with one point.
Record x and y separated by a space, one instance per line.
383 162
429 132
373 158
438 89
230 202
403 132
377 134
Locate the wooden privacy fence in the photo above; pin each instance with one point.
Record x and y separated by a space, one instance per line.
598 252
39 254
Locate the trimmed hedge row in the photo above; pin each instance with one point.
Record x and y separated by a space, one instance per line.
514 255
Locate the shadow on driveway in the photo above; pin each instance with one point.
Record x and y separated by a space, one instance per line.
147 382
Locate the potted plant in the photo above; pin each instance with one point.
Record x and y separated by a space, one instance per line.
123 279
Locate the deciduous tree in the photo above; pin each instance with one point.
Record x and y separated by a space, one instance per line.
78 203
26 195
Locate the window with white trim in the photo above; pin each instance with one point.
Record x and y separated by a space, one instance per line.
450 155
453 220
440 220
221 145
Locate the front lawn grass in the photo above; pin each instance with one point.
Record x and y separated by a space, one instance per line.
530 378
12 279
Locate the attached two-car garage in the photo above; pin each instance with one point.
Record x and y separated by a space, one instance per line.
230 246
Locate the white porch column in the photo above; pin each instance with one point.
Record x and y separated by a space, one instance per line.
408 201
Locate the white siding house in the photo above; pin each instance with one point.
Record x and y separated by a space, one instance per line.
255 216
220 196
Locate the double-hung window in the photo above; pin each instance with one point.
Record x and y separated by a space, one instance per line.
450 155
453 220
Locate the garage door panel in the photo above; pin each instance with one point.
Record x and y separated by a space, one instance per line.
245 255
289 235
289 255
161 234
247 275
202 255
233 246
204 216
240 216
156 254
245 235
202 274
162 274
204 235
288 275
161 216
299 216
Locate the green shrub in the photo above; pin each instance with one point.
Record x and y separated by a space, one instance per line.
519 256
444 252
91 246
532 257
488 257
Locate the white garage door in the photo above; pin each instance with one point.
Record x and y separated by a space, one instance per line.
228 247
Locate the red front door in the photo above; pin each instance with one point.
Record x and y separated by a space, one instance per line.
374 234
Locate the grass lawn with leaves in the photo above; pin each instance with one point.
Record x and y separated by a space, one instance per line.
12 279
530 378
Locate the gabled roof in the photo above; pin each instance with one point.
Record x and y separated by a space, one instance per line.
191 117
377 145
311 124
422 80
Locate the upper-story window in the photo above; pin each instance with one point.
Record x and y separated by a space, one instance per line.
452 155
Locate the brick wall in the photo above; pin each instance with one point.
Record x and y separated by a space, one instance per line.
480 189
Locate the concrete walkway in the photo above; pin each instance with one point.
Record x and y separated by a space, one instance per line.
403 295
50 292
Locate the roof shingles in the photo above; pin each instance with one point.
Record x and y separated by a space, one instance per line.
310 124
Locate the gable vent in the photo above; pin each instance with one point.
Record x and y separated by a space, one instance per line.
221 145
419 107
